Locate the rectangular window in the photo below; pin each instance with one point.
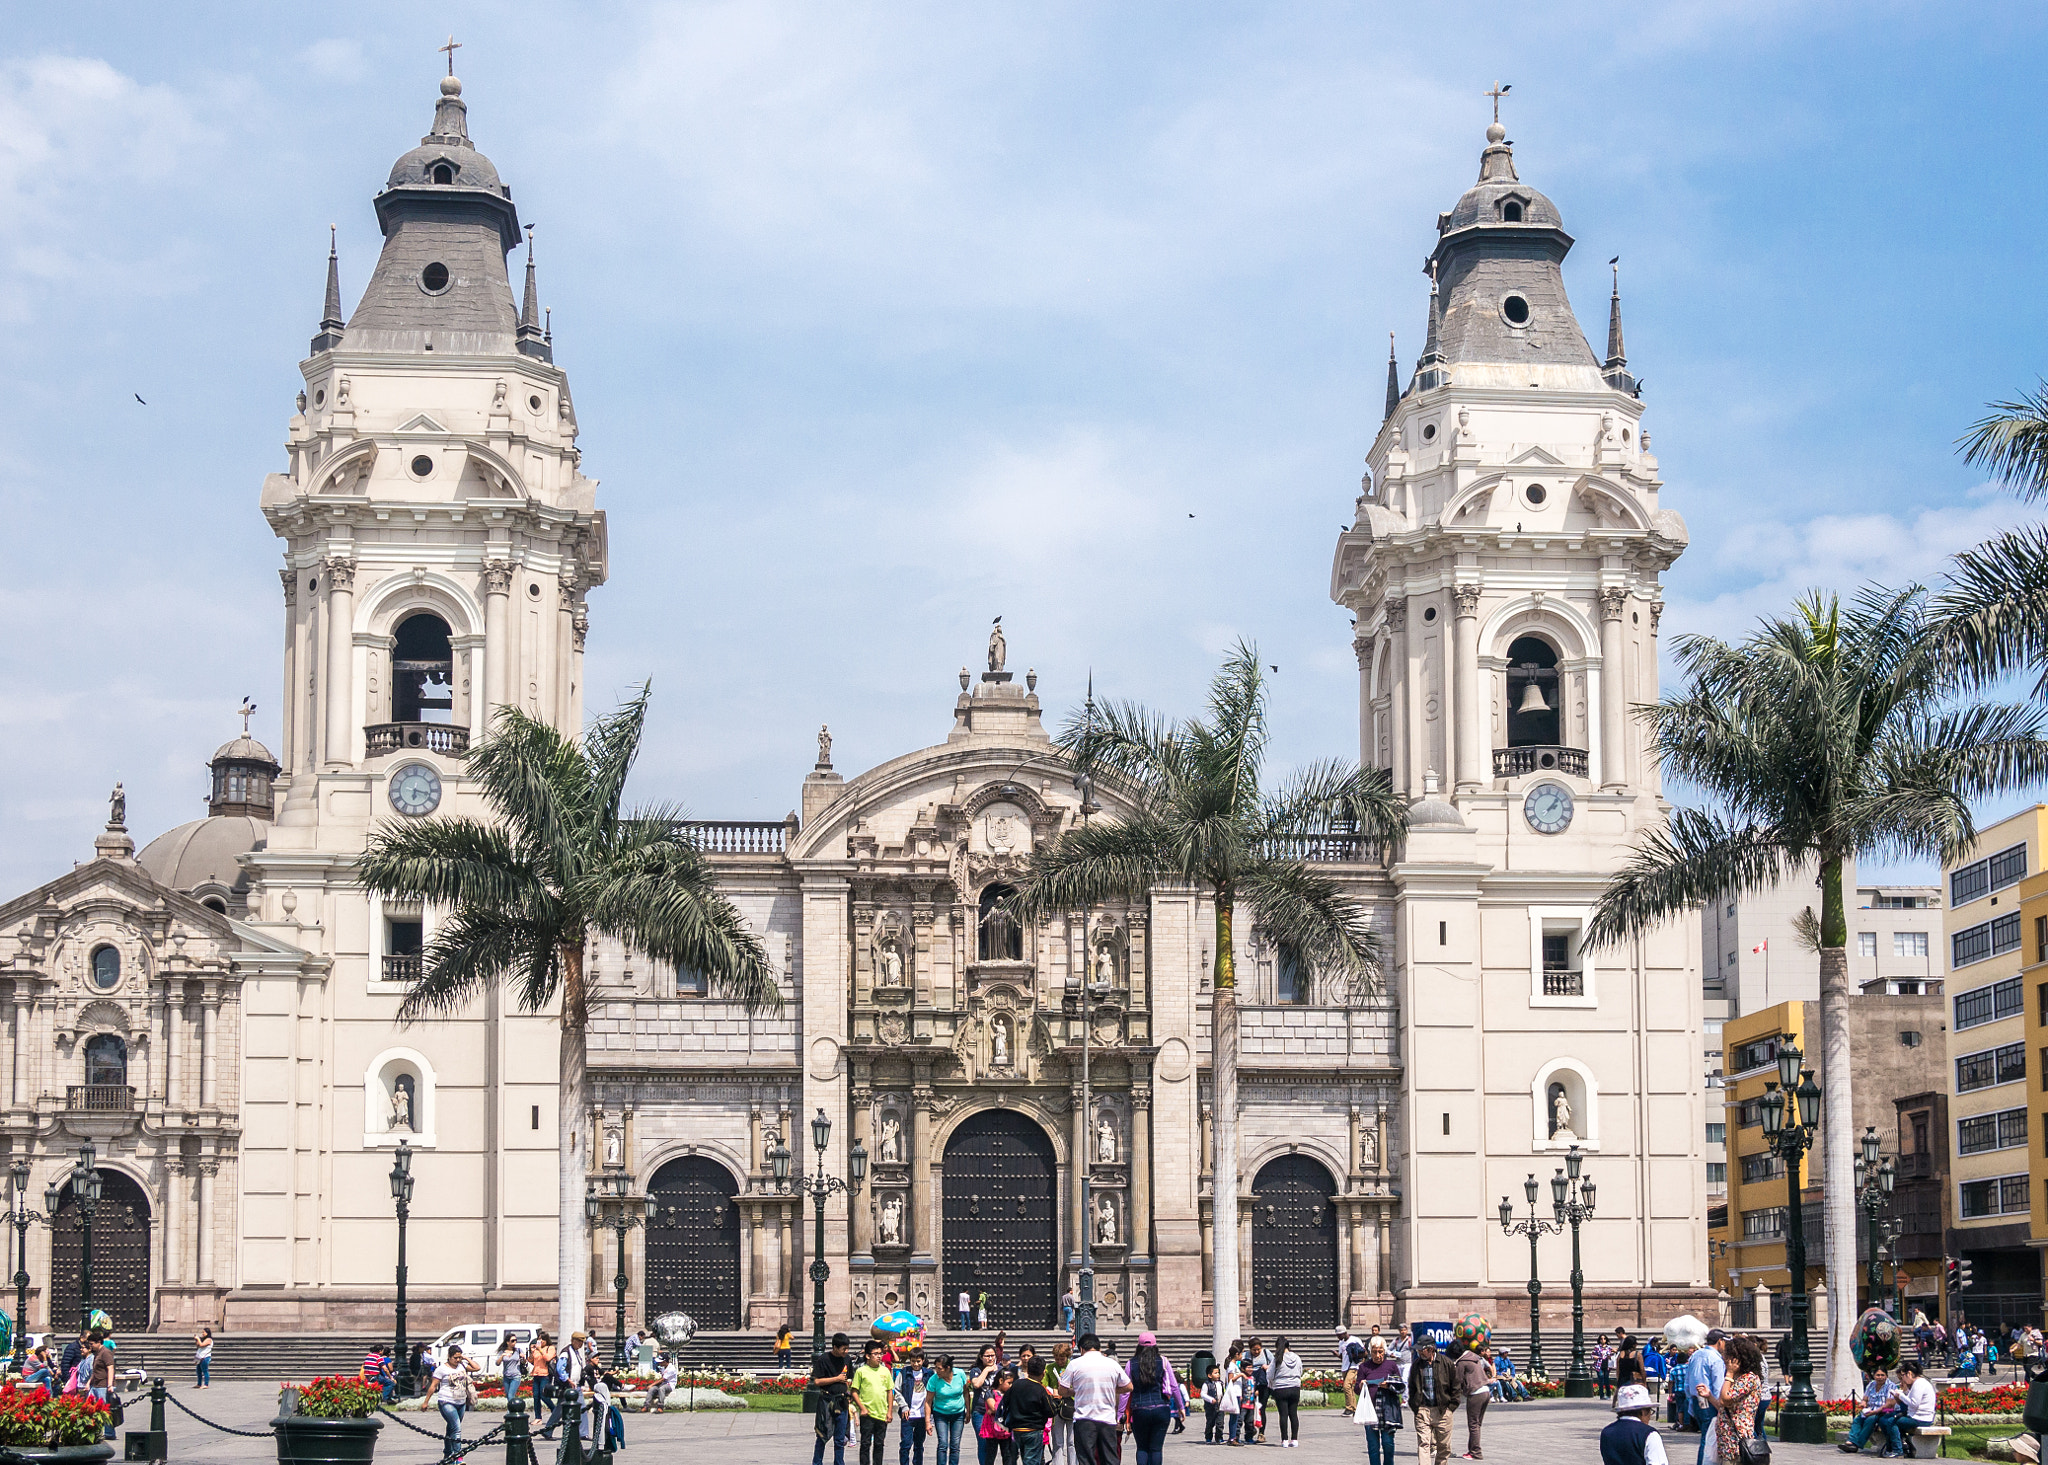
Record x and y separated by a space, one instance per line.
1731 958
689 983
1988 1004
1764 1223
2004 1196
1761 1167
1750 1114
1974 881
2004 1130
1717 1172
2041 938
1991 1067
1761 1053
1866 944
1909 943
1717 1134
1992 938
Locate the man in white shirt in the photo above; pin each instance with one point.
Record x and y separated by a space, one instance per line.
664 1384
966 1312
1095 1381
1916 1394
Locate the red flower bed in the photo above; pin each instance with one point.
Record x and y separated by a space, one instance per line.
32 1418
2004 1399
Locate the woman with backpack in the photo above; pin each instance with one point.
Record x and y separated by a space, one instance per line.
1157 1400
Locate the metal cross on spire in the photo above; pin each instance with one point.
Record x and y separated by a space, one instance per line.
454 45
1497 93
248 710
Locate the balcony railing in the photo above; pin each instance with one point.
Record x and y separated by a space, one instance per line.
404 968
1916 1166
99 1098
739 836
1326 849
1539 758
1560 982
426 737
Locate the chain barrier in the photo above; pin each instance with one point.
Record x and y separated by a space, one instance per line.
436 1434
246 1434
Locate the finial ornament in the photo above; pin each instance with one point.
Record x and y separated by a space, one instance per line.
1497 93
454 45
247 710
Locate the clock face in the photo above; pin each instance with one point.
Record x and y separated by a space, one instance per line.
415 790
1548 808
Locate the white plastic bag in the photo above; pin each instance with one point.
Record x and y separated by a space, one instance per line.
1366 1414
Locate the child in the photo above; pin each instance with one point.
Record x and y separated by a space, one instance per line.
1212 1408
1231 1411
1248 1405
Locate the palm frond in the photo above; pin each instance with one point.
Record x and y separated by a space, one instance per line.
1806 929
475 948
1135 746
1992 618
1690 861
448 861
611 746
661 896
2011 443
1333 794
533 777
1236 731
1107 859
1303 909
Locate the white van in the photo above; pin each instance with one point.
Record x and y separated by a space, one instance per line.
480 1341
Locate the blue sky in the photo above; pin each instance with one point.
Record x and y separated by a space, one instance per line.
886 319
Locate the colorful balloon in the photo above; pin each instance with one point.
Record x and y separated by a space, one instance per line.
1874 1341
1472 1330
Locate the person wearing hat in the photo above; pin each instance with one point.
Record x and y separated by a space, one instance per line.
1632 1439
1434 1392
1705 1372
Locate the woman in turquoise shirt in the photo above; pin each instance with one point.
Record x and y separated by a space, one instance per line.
946 1397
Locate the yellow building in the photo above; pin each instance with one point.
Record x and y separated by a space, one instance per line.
2034 1014
1993 1042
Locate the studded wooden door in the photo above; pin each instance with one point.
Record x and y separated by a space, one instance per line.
120 1257
1001 1203
693 1244
1294 1245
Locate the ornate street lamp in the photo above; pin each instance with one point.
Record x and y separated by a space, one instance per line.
401 1194
23 1216
1571 1201
615 1210
85 1184
1801 1420
1533 1228
1874 1181
820 1187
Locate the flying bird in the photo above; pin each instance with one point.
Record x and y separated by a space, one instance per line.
138 397
1271 667
1191 516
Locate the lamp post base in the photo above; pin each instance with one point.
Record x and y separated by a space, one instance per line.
1803 1424
1578 1388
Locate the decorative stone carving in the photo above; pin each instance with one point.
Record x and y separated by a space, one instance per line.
998 649
580 625
892 1029
498 392
1560 1114
614 1148
401 1108
1105 1222
890 961
1105 1141
1467 598
341 574
890 1232
497 578
342 389
1397 614
999 1040
890 1149
1656 615
1613 601
824 746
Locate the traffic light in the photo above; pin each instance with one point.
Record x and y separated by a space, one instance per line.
1953 1270
1964 1273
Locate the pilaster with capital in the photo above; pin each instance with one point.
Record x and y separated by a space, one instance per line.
923 1214
1141 1171
497 650
1473 721
1406 779
1613 689
340 575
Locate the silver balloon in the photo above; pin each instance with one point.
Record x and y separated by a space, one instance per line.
675 1329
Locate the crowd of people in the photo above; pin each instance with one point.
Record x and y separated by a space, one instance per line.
1970 1352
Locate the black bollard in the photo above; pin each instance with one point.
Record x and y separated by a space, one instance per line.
572 1428
150 1444
516 1446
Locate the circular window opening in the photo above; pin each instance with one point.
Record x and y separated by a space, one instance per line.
106 968
1624 434
422 466
1429 433
1516 309
1511 212
1535 493
1429 613
1637 617
1546 760
434 278
533 404
534 590
320 397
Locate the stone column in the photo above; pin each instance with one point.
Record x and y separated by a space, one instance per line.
1078 1163
565 632
497 650
1361 1279
1244 1255
174 1221
174 1048
579 630
17 1079
1386 1287
209 1011
207 1169
341 614
861 1208
921 1248
1406 779
757 1245
1208 1228
289 737
1613 690
1473 720
1141 1171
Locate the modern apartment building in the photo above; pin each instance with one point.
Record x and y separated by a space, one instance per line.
2033 894
1989 1069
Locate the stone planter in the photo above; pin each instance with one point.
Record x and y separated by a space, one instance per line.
65 1454
303 1440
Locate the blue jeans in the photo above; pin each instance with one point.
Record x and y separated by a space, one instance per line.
910 1449
1379 1446
1148 1433
451 1414
837 1427
1704 1418
202 1370
948 1428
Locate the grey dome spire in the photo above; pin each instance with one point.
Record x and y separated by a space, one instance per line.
533 337
441 283
330 315
1615 367
1393 379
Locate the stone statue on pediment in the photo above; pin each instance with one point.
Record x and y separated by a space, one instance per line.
998 648
1105 1142
892 1221
891 1148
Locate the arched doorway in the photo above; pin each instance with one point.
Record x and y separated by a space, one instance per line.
1001 1204
120 1257
693 1243
1294 1245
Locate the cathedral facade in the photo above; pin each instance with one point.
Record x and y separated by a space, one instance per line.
1024 1095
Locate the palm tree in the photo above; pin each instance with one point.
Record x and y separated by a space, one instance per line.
1831 733
1200 816
1993 616
526 891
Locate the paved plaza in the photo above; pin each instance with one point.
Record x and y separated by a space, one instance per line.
1528 1434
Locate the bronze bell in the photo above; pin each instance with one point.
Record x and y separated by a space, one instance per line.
1532 698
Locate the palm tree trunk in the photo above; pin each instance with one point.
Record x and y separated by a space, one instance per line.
572 1262
1223 1194
1838 1133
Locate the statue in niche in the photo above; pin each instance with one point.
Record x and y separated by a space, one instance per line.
1368 1147
999 1042
1105 1141
892 1138
998 649
892 1221
892 965
401 1104
614 1147
1105 1222
1105 966
1560 1114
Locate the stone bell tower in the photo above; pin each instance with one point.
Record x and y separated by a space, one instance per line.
439 541
1503 569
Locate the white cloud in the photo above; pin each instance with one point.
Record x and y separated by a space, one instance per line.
336 59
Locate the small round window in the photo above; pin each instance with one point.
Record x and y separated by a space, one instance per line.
1429 432
533 403
1429 613
434 278
320 397
534 590
106 968
1535 493
422 466
1624 434
1516 309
